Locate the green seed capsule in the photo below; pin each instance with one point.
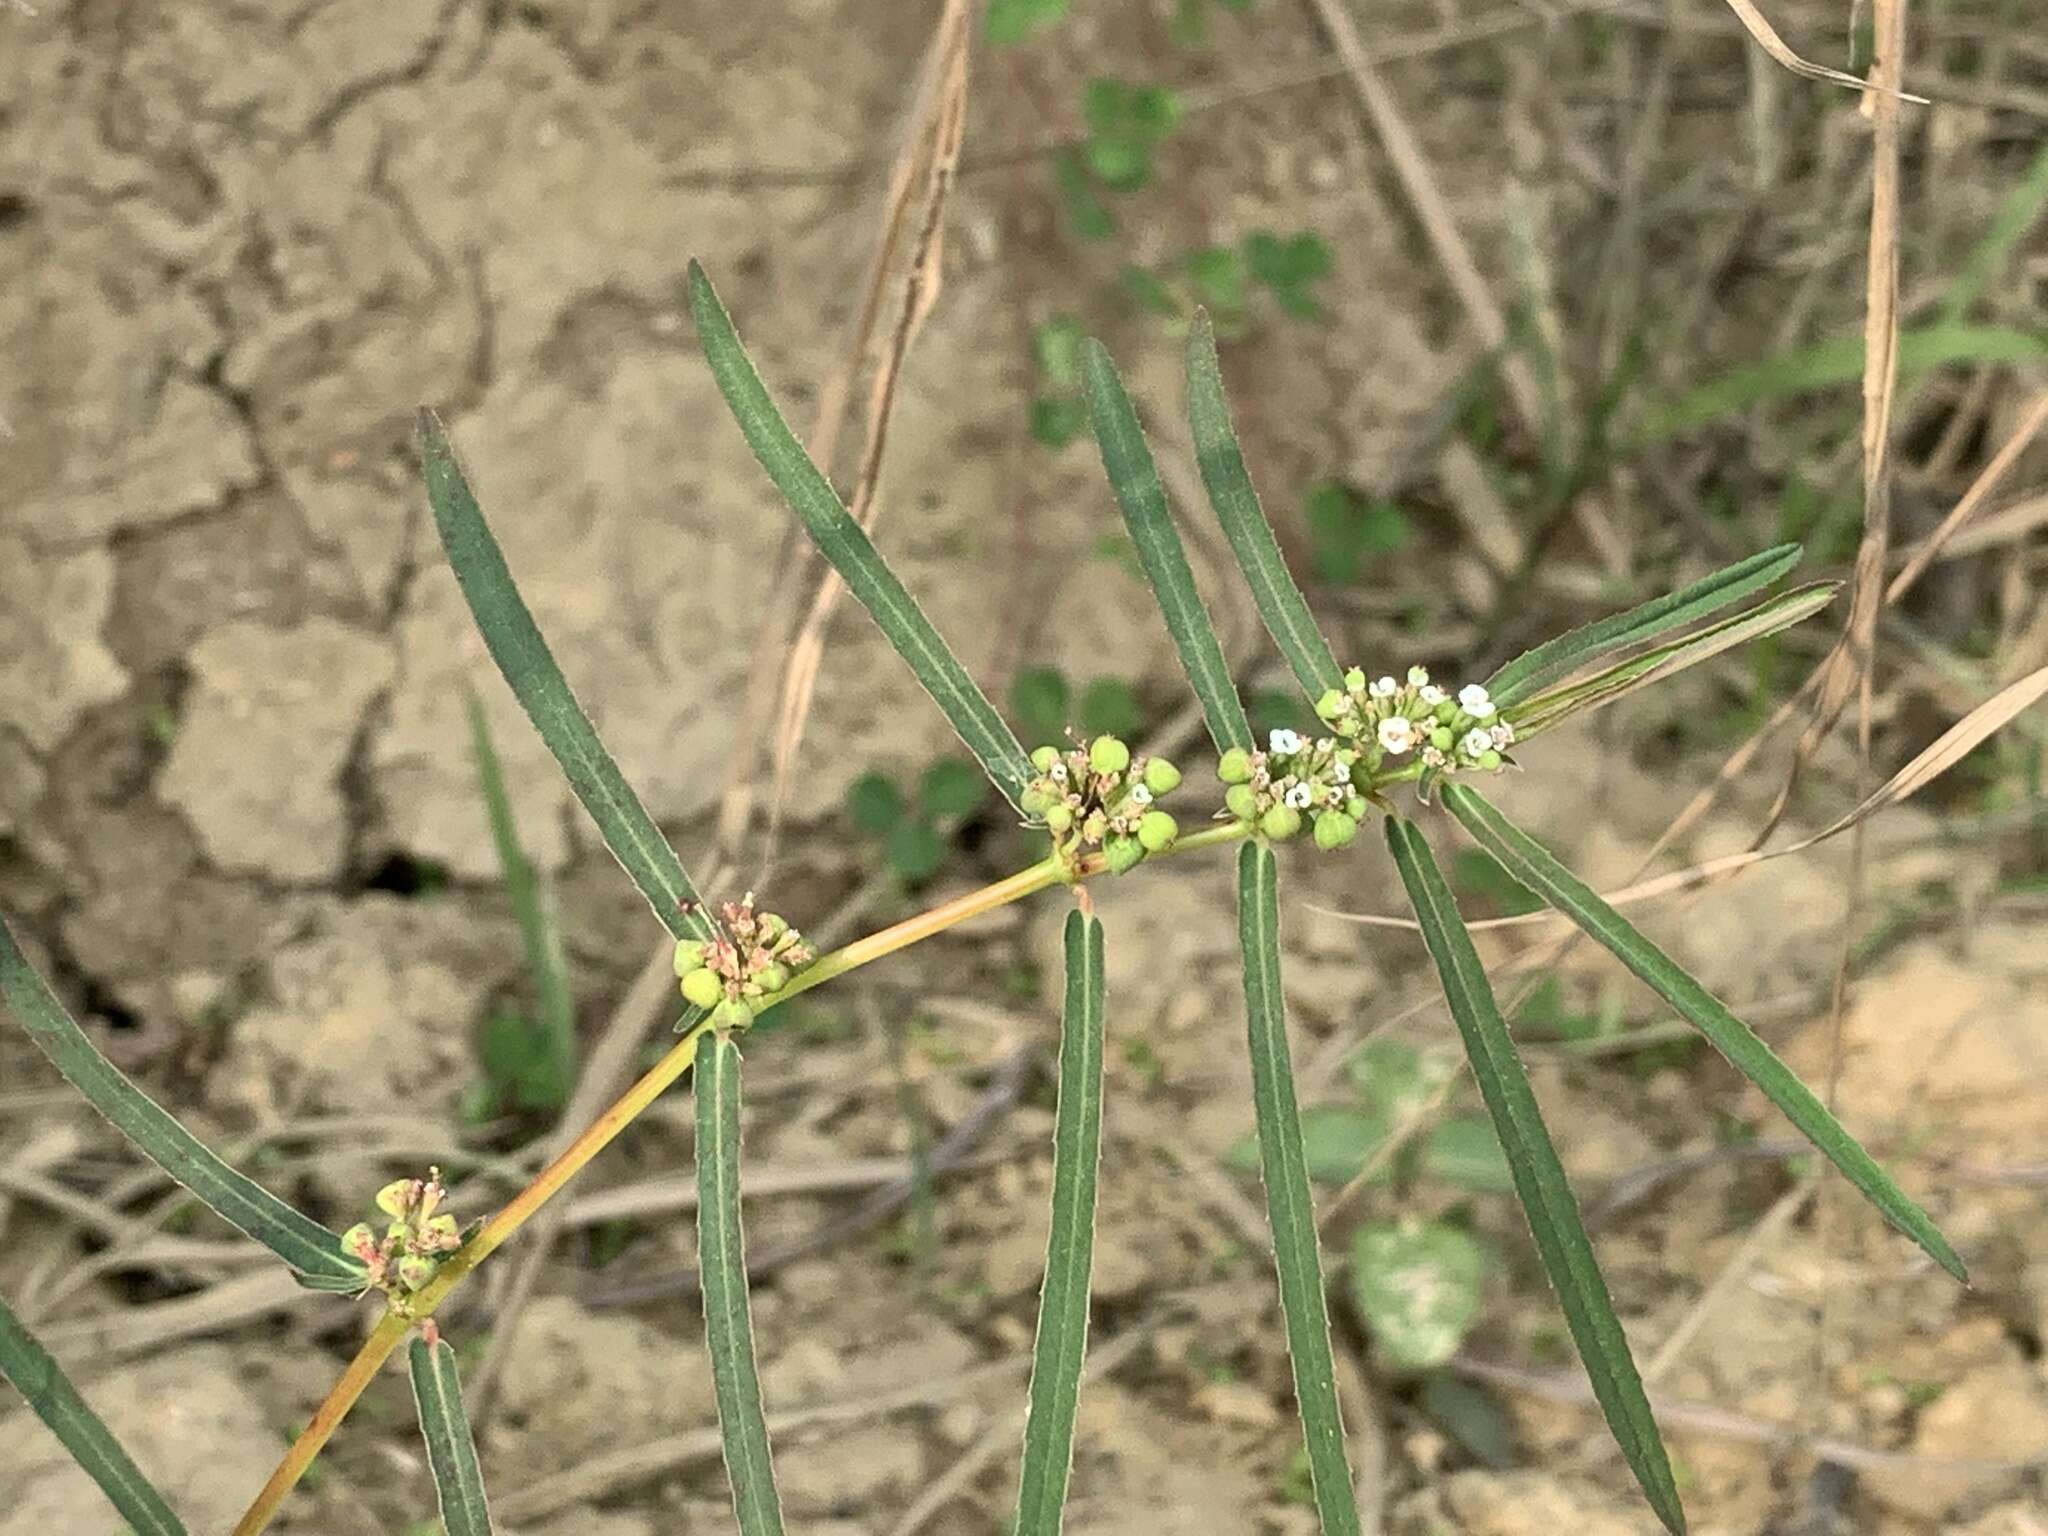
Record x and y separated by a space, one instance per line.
1044 758
1334 829
1161 777
773 976
689 957
1330 705
1441 738
1355 807
1280 823
1059 817
1157 830
399 1197
733 1013
1243 802
415 1270
1122 854
356 1238
1355 679
1036 799
1235 767
703 989
1108 755
1489 759
769 928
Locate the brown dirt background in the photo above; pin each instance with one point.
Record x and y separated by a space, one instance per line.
241 242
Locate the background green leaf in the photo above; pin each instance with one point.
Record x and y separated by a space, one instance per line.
1417 1287
1039 699
874 803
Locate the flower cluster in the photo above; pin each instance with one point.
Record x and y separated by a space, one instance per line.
1295 780
419 1237
1389 719
1100 796
739 972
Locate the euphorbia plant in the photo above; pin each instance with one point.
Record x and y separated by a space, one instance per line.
1387 736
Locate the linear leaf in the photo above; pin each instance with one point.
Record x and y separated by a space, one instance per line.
1835 362
845 543
1538 869
309 1248
517 646
92 1445
1546 709
1289 1208
451 1449
1539 1178
1135 479
1070 1247
1280 603
1567 652
543 943
728 1328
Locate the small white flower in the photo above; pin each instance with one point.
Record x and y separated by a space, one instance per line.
1432 757
1432 695
1057 773
1418 676
1503 733
1384 688
1284 742
1327 744
1140 795
1397 733
1301 797
1477 741
1341 771
1472 697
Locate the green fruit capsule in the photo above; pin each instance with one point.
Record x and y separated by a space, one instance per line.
1157 830
1334 829
1441 738
1280 823
357 1238
1243 802
1108 755
1355 807
773 977
1355 679
769 927
1036 799
1122 854
1059 817
399 1197
1488 759
1330 705
443 1232
733 1013
1161 777
1044 758
689 957
1235 766
415 1270
703 989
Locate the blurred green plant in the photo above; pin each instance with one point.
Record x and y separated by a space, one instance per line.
912 829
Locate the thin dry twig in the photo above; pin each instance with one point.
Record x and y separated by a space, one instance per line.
1767 38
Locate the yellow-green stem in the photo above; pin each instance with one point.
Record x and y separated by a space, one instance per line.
392 1329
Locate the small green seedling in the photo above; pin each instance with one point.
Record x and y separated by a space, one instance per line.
1043 701
914 829
1348 532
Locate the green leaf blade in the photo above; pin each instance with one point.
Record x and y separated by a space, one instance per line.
92 1445
1540 1184
1576 648
451 1449
517 646
309 1248
1062 1341
1290 1208
1279 601
1135 480
554 1005
1539 869
846 545
728 1324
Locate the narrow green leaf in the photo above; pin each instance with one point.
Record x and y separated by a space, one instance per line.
2018 211
1135 479
1289 1207
1543 710
1539 1178
1576 648
1536 867
1279 600
516 645
845 543
92 1445
309 1248
451 1449
554 1006
1835 362
728 1328
1070 1247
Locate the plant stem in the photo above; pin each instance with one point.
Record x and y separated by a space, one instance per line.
394 1326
